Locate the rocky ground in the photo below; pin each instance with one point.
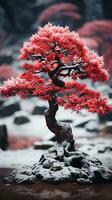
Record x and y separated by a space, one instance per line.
28 137
60 164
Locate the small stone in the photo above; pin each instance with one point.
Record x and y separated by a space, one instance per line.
8 108
97 176
20 118
56 166
46 164
66 120
39 110
3 137
76 162
92 126
84 181
43 145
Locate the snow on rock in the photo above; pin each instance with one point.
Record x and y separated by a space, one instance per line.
21 117
39 110
63 163
43 144
9 107
100 148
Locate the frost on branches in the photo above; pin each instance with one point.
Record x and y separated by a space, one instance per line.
59 53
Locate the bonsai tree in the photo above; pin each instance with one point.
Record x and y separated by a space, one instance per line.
59 54
56 61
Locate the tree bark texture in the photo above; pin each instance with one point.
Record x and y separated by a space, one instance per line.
62 131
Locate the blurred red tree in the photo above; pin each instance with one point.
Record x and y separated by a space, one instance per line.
59 53
59 10
7 72
98 36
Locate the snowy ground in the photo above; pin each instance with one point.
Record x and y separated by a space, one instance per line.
17 158
37 128
97 148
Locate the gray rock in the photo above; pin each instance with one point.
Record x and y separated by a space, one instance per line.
21 117
3 137
8 108
92 126
43 145
66 120
63 164
39 110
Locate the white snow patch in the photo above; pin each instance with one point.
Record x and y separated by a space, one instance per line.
18 158
35 128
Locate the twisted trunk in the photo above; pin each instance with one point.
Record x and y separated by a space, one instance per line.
62 131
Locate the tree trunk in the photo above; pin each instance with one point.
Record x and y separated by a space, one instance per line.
62 131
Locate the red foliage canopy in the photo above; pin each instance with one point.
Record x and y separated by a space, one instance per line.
57 53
